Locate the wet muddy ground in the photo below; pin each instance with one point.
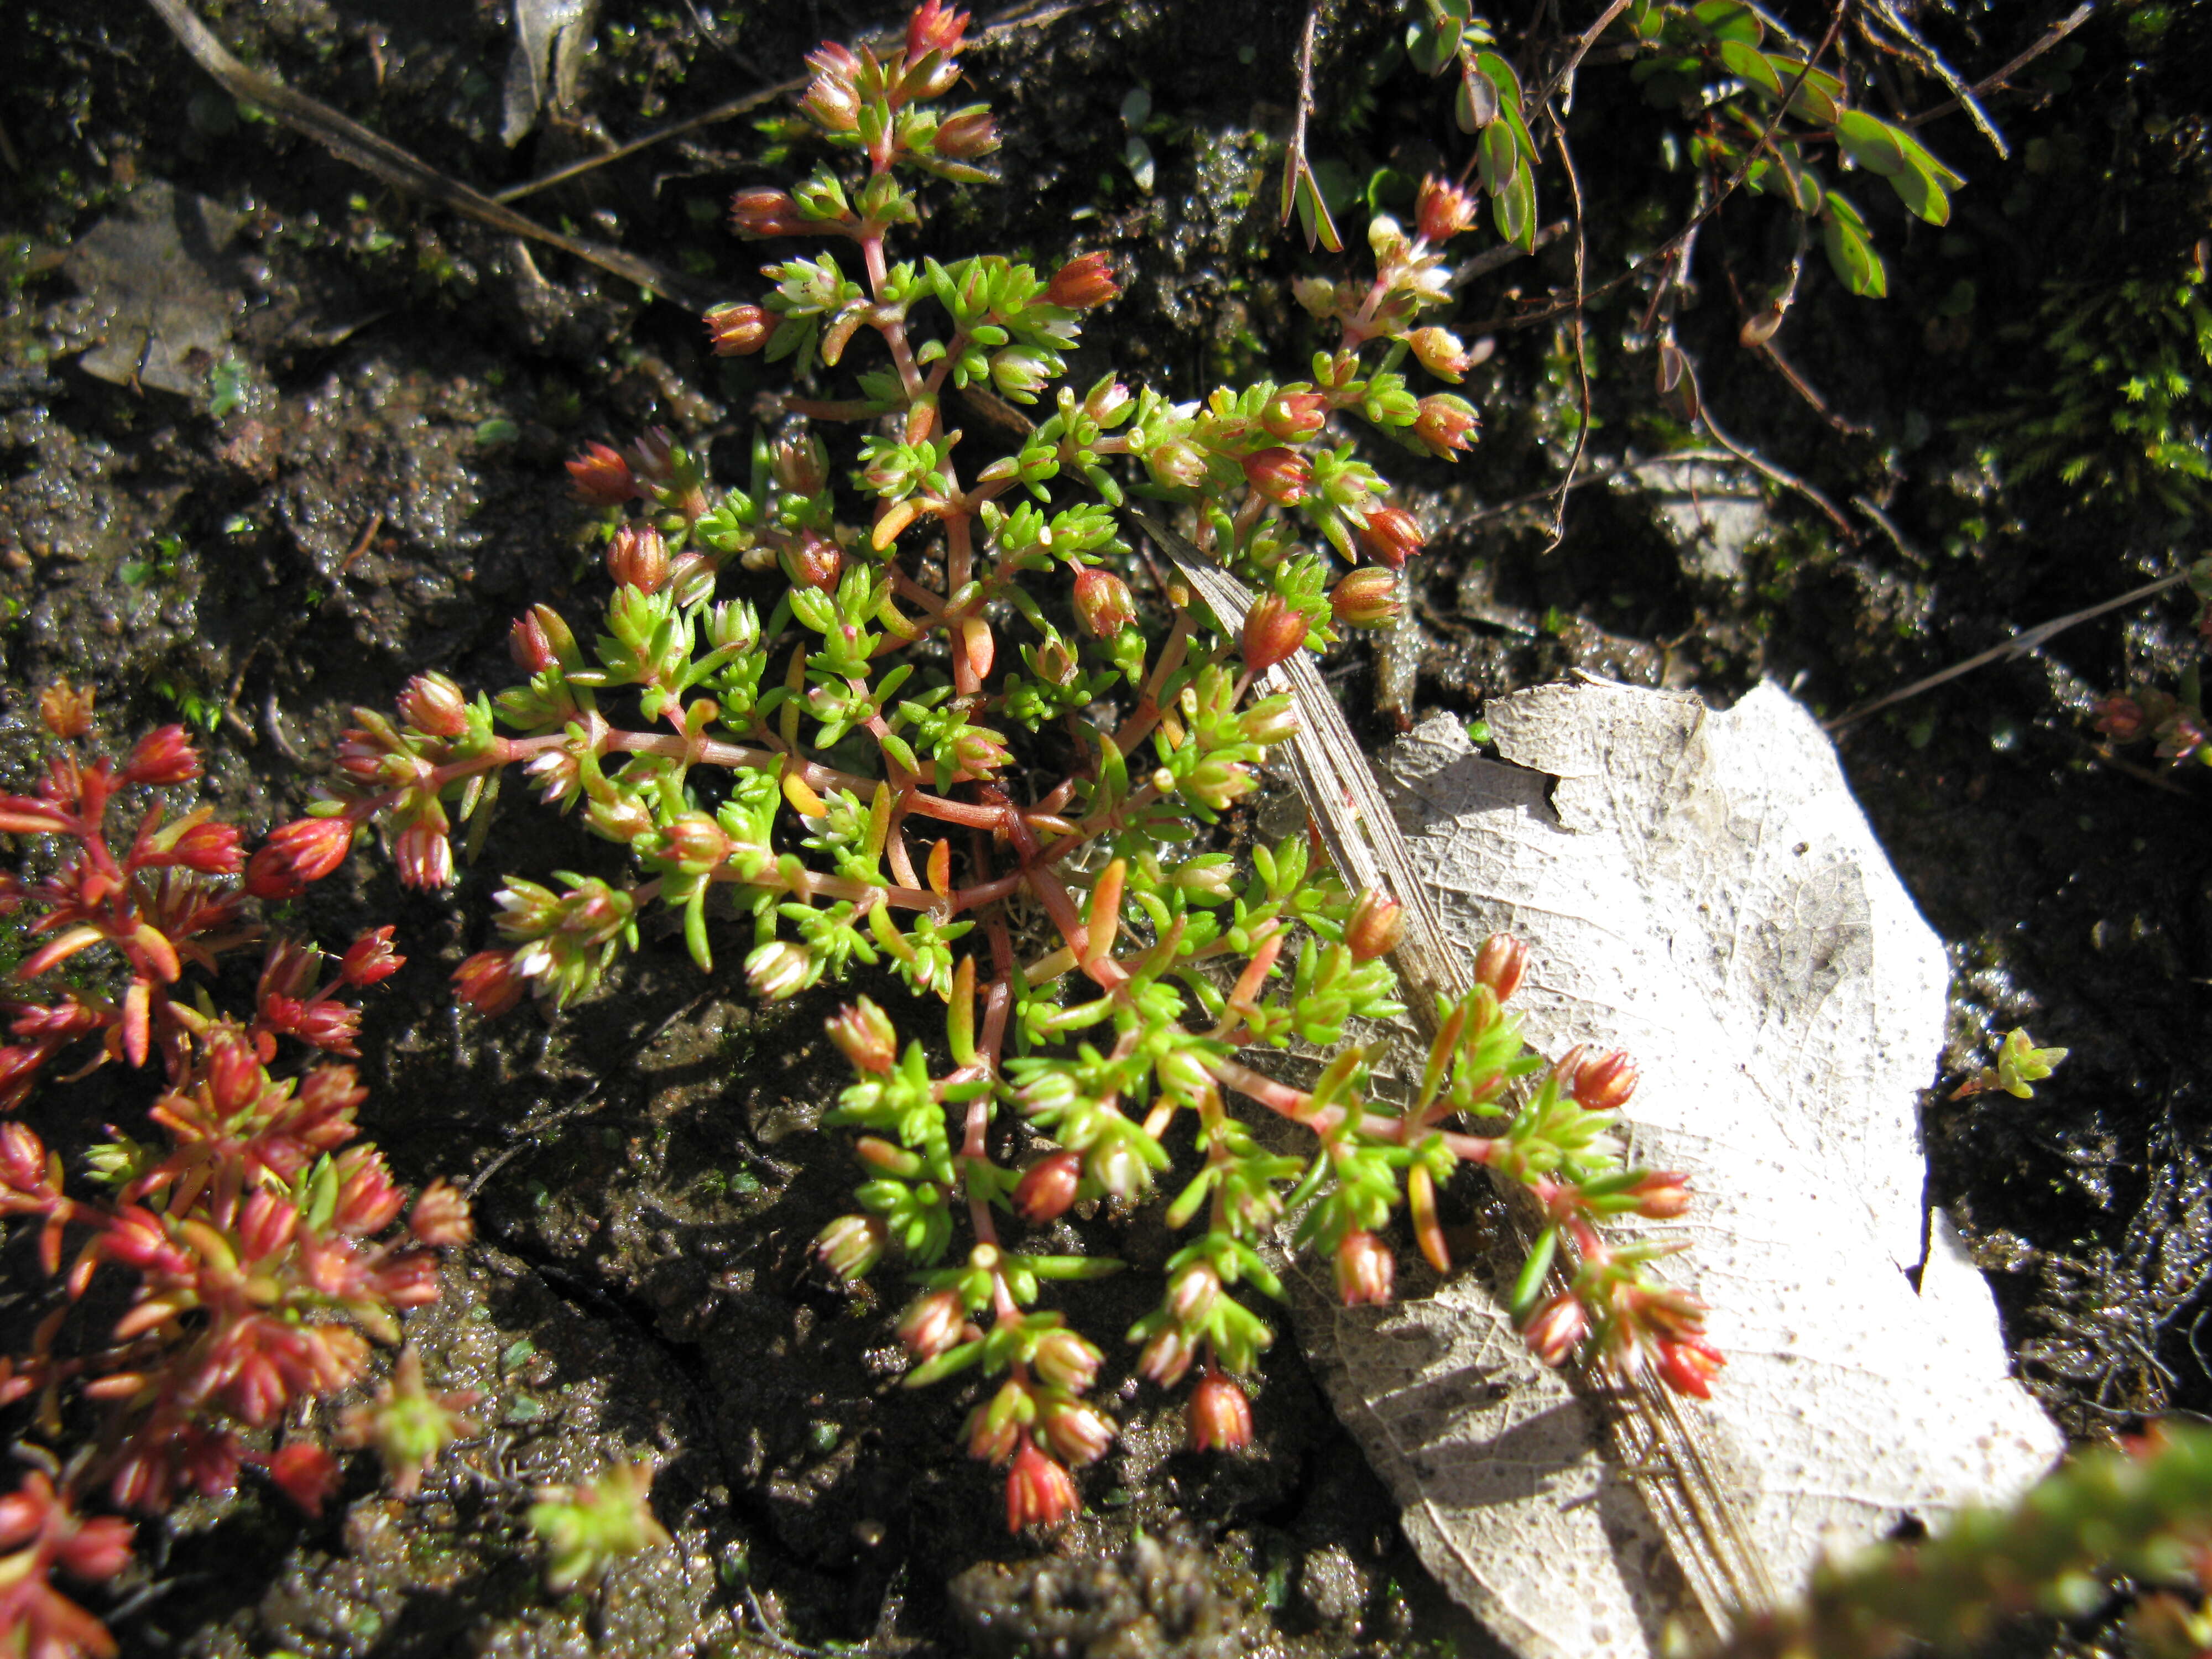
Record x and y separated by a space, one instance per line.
274 435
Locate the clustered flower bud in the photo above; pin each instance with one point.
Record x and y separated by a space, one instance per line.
1103 599
1378 926
1446 425
1047 1188
600 474
932 1324
1039 1491
1500 964
1367 598
967 135
1083 282
638 557
1364 1270
433 705
864 1035
1283 475
1272 632
1217 1416
1389 536
1443 210
738 330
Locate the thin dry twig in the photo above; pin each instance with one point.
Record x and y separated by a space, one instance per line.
1559 532
2051 37
1929 62
1587 39
1759 464
352 142
2019 645
1626 469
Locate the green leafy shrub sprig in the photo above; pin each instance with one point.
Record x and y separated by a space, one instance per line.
946 745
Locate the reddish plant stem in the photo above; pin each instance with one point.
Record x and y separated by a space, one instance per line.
1297 1105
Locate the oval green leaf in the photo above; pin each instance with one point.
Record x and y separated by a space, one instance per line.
1923 197
1874 145
1752 66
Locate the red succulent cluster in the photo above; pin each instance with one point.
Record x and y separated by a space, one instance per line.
267 1244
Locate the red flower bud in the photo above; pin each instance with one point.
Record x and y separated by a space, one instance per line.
812 561
1662 1196
864 1035
600 474
23 1157
1442 210
210 848
1272 632
305 1473
833 103
1446 425
1047 1188
762 211
1603 1084
96 1549
265 1225
1364 1270
802 465
933 28
1283 475
2120 717
1557 1328
1688 1364
424 856
1390 536
1166 1359
1500 963
304 850
1377 927
1084 282
1065 1361
370 959
64 710
735 331
1368 597
1295 417
441 1216
163 756
964 137
638 557
933 1324
1080 1433
1039 1493
489 982
434 705
1218 1417
1103 599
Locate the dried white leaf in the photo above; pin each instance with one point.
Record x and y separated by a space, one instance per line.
1700 888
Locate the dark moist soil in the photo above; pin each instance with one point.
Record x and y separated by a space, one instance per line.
333 460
